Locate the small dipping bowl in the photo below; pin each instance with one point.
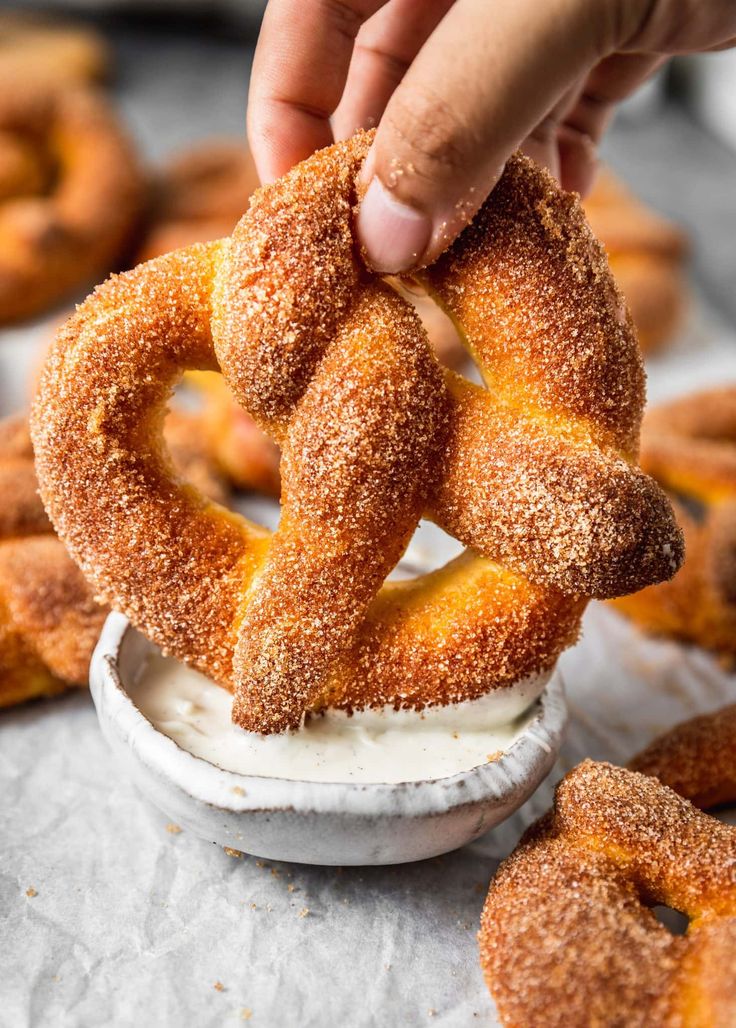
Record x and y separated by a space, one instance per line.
332 823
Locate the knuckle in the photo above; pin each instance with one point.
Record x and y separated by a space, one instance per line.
429 133
345 15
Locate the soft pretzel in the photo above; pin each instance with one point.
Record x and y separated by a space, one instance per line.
689 446
34 48
245 455
534 473
199 195
567 934
646 254
696 758
49 620
70 193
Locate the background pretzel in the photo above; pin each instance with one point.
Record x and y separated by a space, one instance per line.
689 446
70 192
535 472
696 758
567 936
647 255
49 620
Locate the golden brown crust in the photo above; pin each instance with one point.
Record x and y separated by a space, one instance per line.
689 445
49 621
88 196
646 254
696 759
336 367
567 934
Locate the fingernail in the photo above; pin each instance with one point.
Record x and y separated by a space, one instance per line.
393 235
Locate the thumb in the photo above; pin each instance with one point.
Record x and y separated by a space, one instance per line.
487 77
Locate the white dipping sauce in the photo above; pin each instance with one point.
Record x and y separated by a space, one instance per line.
369 746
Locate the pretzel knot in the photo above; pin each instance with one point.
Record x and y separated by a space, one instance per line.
70 192
567 934
533 473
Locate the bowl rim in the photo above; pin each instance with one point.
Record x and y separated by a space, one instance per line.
498 782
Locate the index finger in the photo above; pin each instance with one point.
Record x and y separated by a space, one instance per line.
299 73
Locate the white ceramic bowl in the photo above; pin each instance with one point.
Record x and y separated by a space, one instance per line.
315 822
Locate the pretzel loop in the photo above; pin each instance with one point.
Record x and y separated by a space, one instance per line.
534 472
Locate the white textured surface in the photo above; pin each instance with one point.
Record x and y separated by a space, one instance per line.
132 924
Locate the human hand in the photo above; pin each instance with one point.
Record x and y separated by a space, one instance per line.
455 86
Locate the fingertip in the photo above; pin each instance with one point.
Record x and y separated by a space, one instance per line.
578 160
393 235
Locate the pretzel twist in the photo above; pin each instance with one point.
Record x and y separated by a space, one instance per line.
49 621
534 472
696 759
567 936
70 193
689 446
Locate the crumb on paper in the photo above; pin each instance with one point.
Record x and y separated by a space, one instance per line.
291 887
218 987
31 892
496 755
254 906
56 978
261 863
173 829
232 853
431 1012
304 912
275 872
245 1014
238 790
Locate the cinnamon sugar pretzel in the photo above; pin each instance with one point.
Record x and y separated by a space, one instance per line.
534 473
567 934
70 192
689 446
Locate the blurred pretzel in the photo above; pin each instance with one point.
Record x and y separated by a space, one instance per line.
36 48
49 620
70 193
646 254
534 473
696 758
689 446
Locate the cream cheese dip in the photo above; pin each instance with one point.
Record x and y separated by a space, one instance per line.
370 746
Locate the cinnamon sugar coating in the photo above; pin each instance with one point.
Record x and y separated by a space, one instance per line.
49 619
68 210
696 758
49 622
567 934
534 473
689 446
